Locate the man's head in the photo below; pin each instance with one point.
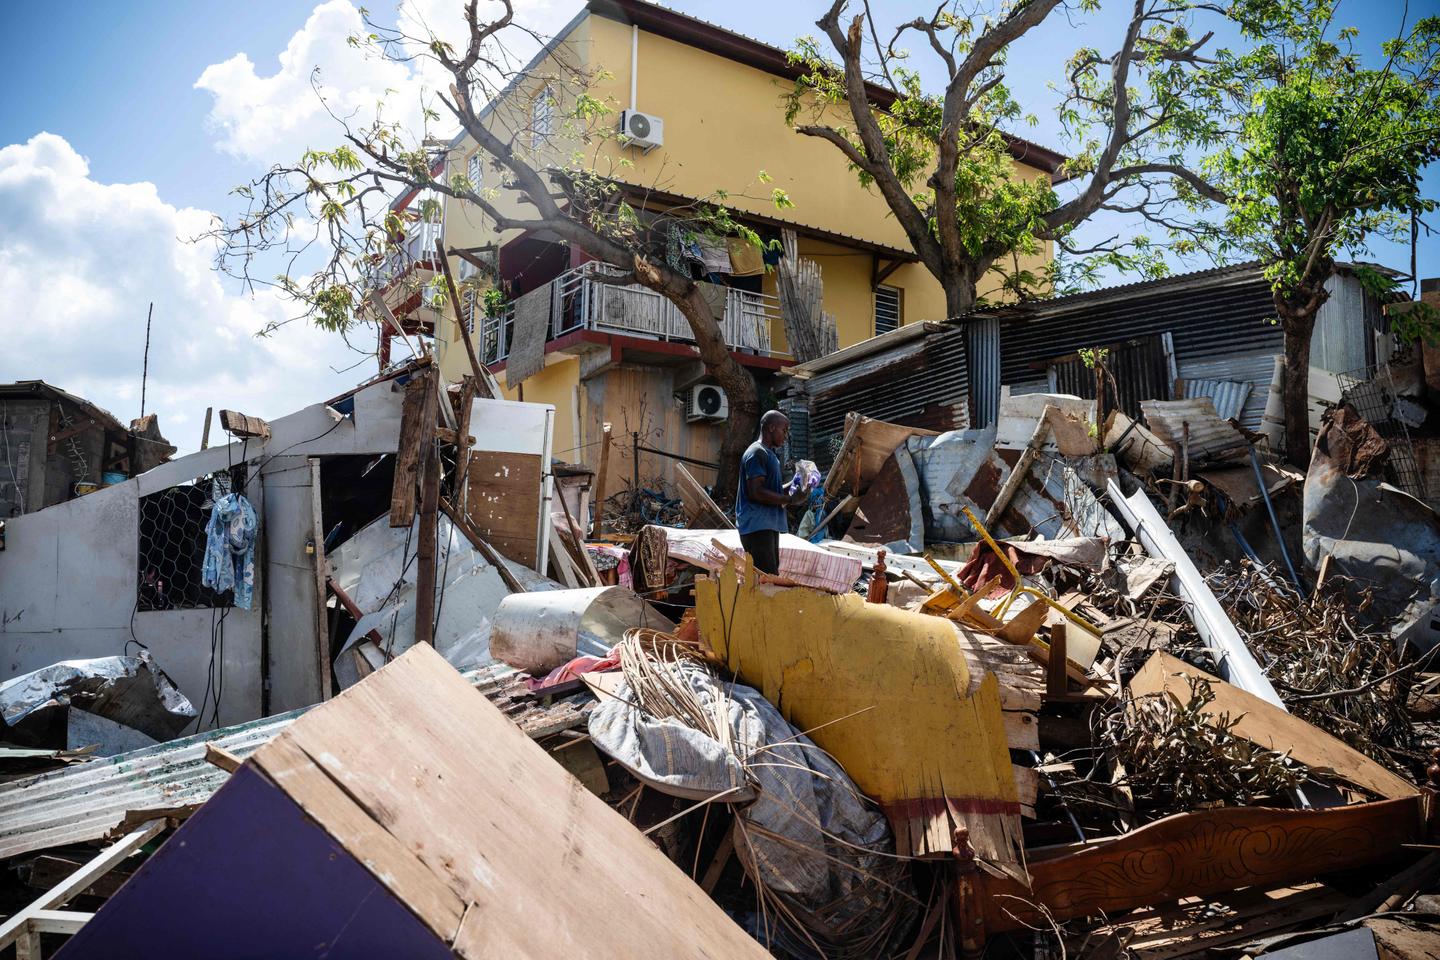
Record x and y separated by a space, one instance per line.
774 429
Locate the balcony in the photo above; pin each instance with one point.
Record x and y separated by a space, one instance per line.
579 301
416 252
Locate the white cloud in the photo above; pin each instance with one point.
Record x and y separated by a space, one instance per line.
274 118
80 262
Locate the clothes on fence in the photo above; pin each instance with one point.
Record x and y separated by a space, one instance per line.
746 259
230 549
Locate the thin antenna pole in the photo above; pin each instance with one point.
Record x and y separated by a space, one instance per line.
145 371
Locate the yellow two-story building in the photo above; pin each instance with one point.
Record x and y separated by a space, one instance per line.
710 119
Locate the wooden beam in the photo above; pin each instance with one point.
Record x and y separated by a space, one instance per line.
463 440
243 426
878 275
483 377
222 758
1056 679
205 434
429 521
600 476
413 432
1199 854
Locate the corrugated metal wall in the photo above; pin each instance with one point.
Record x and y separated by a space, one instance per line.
1256 369
1344 339
925 384
1141 369
1207 320
983 341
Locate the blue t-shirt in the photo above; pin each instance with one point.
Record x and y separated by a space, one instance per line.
750 517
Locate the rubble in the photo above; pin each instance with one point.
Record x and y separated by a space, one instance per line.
1053 681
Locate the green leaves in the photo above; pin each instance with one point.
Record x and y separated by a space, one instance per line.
1329 151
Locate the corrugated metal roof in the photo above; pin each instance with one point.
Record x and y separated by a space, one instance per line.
1209 439
1229 396
84 801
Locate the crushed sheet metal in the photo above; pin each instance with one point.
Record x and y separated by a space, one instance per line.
1229 396
1237 664
84 801
1211 438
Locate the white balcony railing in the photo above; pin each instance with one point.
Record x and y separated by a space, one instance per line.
578 301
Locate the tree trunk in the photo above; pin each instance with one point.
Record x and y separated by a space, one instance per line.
738 384
1299 325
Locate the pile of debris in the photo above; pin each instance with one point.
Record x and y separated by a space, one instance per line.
1131 689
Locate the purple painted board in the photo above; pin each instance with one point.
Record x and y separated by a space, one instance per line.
249 875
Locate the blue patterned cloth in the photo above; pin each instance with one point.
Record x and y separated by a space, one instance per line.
230 549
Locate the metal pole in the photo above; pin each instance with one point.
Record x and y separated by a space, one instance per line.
145 369
1270 508
635 463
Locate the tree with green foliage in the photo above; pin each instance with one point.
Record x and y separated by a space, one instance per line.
1322 153
942 158
545 172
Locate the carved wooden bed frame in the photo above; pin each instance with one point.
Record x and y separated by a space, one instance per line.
1190 854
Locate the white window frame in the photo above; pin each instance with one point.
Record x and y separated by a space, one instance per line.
475 170
899 311
542 116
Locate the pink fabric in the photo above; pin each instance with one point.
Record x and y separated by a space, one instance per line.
573 670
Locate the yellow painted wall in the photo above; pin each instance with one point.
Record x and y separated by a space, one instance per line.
555 384
724 123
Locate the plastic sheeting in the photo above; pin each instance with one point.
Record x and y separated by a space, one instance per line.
376 569
819 844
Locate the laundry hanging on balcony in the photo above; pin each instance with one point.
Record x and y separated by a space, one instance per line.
746 260
527 341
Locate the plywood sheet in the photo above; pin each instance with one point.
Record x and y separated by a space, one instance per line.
503 502
1272 728
544 867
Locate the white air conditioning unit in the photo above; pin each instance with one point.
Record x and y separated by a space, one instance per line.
706 402
643 130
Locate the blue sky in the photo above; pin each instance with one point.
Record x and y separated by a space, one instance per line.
155 111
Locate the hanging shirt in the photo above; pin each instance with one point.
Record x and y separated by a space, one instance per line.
751 517
230 549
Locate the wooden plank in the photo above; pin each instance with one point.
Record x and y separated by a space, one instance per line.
1057 683
79 881
463 790
463 440
600 477
1271 727
244 427
408 455
66 922
322 573
1200 854
700 511
425 559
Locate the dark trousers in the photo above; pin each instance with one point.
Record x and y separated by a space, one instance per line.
764 547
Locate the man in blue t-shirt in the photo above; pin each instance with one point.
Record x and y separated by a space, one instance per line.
760 502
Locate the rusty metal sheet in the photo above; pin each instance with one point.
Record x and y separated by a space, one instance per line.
1211 439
